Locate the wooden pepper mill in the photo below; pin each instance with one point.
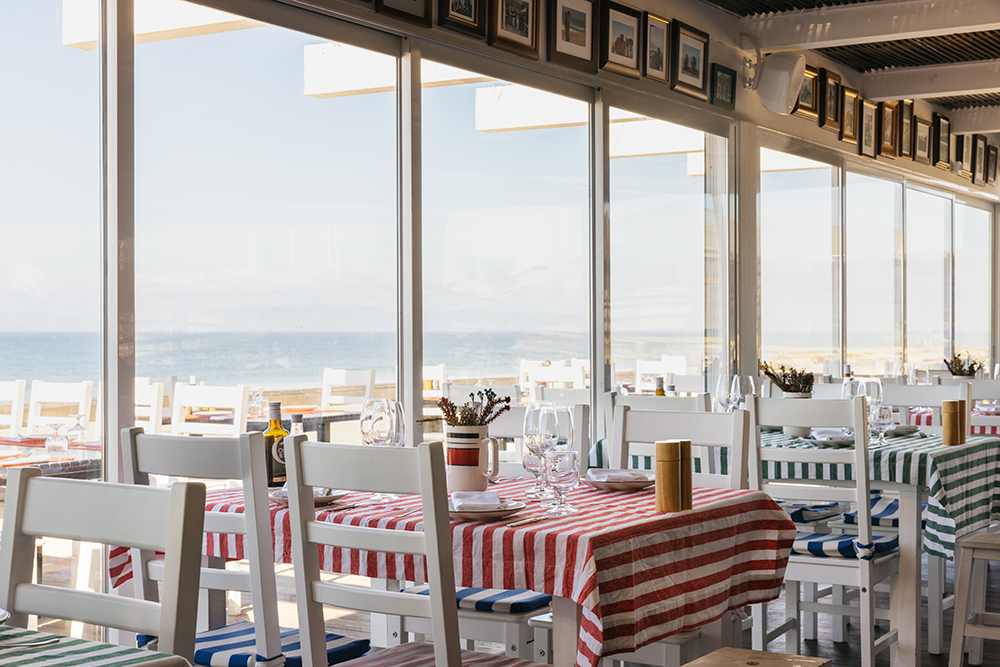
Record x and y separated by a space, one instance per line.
673 475
963 415
951 422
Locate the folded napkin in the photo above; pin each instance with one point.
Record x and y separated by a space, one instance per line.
476 500
615 475
831 434
318 491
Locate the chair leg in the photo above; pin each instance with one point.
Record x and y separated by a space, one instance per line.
977 600
839 621
519 641
809 617
793 642
867 622
543 646
935 604
964 574
758 632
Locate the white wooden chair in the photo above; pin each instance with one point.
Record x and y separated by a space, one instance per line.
555 376
335 381
200 399
858 561
418 470
905 397
982 390
525 366
694 403
149 405
434 380
562 398
165 520
510 426
972 622
46 394
646 372
12 392
243 460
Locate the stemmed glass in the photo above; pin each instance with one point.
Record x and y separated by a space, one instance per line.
540 433
77 433
881 421
727 392
566 437
56 444
563 475
871 388
919 374
381 422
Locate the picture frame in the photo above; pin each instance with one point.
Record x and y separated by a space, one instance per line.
621 39
921 140
889 132
868 129
688 58
963 154
979 159
414 11
465 16
942 141
807 106
723 86
571 34
513 26
849 114
991 165
656 59
906 129
829 100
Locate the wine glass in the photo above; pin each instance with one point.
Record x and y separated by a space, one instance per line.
881 421
77 433
724 394
55 444
919 374
540 433
563 475
873 391
395 410
532 462
566 437
378 429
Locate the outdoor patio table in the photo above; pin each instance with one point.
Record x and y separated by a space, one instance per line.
622 575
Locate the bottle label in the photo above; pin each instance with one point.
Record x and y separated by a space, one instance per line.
278 450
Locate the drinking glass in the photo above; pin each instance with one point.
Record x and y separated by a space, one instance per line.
564 428
55 444
540 433
532 462
919 374
871 389
378 430
725 395
881 421
77 433
563 475
395 409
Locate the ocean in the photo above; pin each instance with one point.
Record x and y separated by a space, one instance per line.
296 360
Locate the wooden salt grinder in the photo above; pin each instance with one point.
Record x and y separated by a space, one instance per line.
668 476
950 422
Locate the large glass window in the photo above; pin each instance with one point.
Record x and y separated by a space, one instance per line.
874 247
799 262
668 253
50 223
265 208
928 278
972 282
505 220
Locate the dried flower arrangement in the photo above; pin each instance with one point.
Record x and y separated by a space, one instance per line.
791 380
958 366
474 413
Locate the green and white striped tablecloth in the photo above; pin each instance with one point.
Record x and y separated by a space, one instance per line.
77 652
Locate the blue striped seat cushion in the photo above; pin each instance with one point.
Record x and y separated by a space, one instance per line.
233 646
493 599
885 513
801 512
840 545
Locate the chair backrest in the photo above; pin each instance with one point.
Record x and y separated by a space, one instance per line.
78 394
982 390
646 372
562 398
165 520
190 398
149 405
434 379
459 393
827 390
241 459
411 470
510 426
636 430
693 403
905 397
687 384
12 392
335 380
789 483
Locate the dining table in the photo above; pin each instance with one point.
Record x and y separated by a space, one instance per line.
72 652
622 575
80 461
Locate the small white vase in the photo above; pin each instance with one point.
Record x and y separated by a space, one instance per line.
796 431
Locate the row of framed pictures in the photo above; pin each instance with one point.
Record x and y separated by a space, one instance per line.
891 129
621 39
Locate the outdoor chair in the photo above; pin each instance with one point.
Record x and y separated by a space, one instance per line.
12 392
335 381
230 402
46 395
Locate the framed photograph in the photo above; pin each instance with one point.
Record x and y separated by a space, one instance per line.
656 63
963 153
571 34
991 165
849 114
921 140
689 61
979 159
513 26
620 32
414 11
942 142
468 16
890 128
868 129
723 86
905 128
807 105
829 100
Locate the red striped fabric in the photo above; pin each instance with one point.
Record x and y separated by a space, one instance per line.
924 416
639 575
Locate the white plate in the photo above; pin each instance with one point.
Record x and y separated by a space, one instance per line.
280 496
845 442
4 616
637 485
901 430
485 515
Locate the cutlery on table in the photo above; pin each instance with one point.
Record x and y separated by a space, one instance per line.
525 522
409 512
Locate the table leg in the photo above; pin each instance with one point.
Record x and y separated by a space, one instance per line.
567 617
323 431
908 586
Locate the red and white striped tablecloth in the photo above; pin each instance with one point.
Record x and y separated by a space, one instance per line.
639 575
924 417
